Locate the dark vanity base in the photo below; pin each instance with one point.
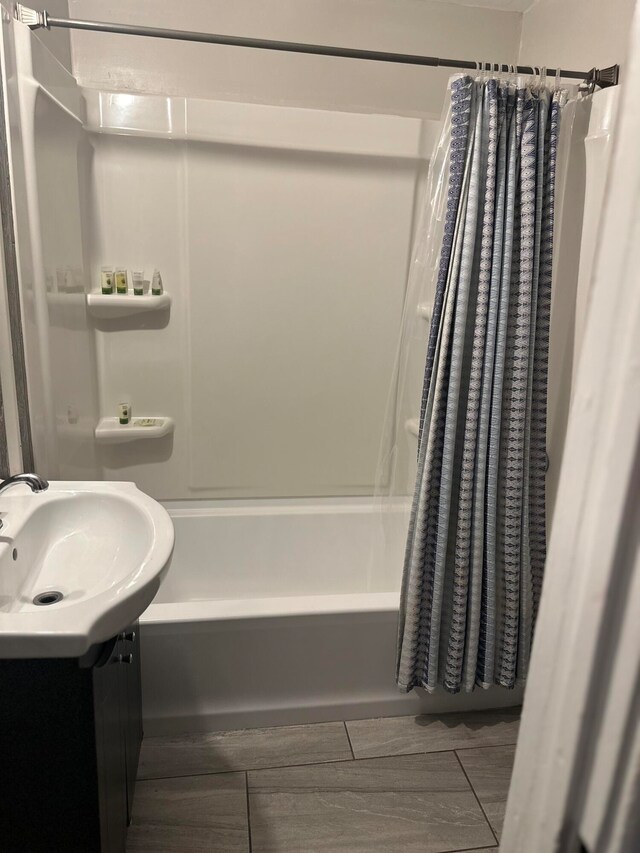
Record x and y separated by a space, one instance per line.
70 736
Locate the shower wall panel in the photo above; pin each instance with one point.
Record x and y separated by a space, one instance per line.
283 236
50 160
297 264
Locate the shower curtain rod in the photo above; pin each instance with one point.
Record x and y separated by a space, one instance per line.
36 19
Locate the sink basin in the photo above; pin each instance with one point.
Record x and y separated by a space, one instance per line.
94 554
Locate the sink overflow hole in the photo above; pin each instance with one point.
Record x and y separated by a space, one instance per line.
14 553
51 597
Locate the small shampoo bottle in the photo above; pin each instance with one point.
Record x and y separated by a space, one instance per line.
106 279
138 282
156 284
124 413
121 281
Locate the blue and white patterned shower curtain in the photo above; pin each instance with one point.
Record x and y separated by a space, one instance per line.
477 536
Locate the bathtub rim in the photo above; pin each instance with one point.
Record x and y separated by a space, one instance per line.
379 505
170 616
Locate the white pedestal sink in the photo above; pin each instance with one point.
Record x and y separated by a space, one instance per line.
104 547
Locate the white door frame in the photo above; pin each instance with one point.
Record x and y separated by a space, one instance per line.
577 764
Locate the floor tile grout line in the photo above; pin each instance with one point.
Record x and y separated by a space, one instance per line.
323 761
346 729
248 769
485 746
514 713
246 785
435 751
477 797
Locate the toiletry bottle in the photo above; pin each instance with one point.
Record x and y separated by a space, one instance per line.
138 282
121 281
124 413
106 279
156 284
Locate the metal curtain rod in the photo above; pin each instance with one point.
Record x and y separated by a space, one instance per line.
42 19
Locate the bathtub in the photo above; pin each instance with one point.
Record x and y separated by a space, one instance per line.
277 612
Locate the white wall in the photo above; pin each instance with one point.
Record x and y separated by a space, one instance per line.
58 41
128 63
578 34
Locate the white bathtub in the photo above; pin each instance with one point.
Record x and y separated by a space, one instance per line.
280 612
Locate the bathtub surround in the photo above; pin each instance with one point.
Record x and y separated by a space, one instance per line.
477 540
298 788
259 302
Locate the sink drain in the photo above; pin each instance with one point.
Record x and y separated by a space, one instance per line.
51 597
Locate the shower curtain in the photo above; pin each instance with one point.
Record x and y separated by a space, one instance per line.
476 544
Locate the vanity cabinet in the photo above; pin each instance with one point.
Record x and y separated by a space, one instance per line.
70 736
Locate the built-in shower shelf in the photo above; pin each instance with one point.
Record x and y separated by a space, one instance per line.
111 431
412 426
112 306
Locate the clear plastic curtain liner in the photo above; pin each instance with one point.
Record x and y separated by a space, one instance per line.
397 464
396 473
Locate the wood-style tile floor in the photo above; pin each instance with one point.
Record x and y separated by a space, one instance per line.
427 784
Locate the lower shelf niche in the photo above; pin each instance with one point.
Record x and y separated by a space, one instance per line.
111 431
